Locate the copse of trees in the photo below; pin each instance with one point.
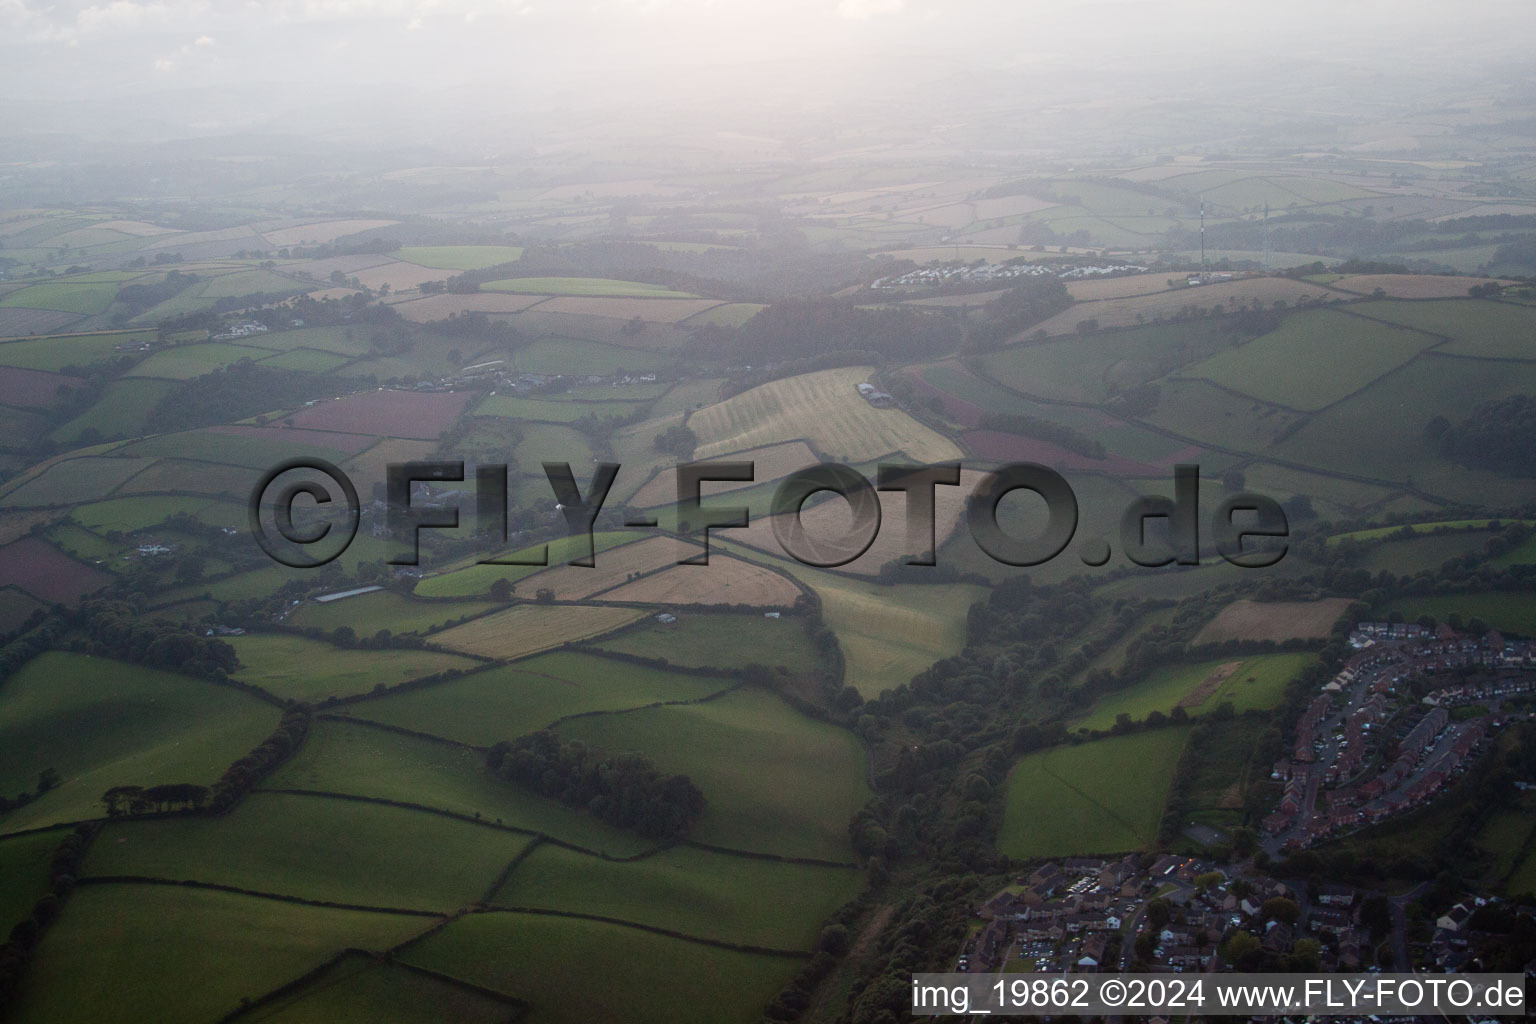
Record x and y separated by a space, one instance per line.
115 631
624 790
807 328
1025 304
1056 433
1496 436
238 391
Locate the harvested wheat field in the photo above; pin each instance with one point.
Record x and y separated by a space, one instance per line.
1273 620
1124 312
1121 287
1411 286
829 527
610 569
770 463
826 409
658 311
529 628
725 580
441 307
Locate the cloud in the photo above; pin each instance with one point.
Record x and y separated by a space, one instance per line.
863 10
204 41
165 65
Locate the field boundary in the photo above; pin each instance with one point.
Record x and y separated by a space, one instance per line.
189 883
735 947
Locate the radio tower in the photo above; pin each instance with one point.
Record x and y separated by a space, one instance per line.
1202 239
1266 238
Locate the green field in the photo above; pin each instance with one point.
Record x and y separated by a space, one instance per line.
1094 368
720 641
357 760
369 613
731 314
584 286
343 851
294 667
131 947
121 411
55 353
1283 366
1386 531
548 962
362 990
309 360
75 480
24 867
102 723
1101 797
458 257
696 892
1509 612
187 361
65 296
571 356
547 442
1406 557
1258 684
505 702
1476 327
775 781
475 580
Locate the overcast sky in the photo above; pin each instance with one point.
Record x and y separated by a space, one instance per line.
532 50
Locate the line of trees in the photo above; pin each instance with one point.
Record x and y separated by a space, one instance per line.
1056 433
63 869
624 790
240 777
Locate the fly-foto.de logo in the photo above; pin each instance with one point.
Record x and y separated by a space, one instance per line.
304 522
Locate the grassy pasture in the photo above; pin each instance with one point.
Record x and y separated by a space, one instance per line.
474 580
458 257
775 781
1101 797
302 669
527 629
1091 369
357 760
1381 532
129 947
1256 683
546 961
696 892
1507 612
128 514
55 353
1385 423
1427 551
308 360
573 356
343 851
65 296
1476 327
887 633
546 442
369 613
505 702
731 314
101 723
362 990
121 411
720 641
1282 366
824 407
76 480
1222 766
195 477
583 286
24 866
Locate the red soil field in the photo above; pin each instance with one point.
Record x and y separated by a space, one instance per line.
386 413
47 573
33 389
